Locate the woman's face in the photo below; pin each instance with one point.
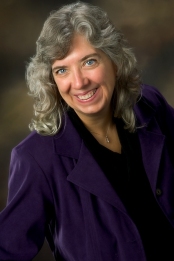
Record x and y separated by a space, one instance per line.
85 78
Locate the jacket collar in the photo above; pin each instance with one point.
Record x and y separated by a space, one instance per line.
86 174
68 141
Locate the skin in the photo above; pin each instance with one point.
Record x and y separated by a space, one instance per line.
86 79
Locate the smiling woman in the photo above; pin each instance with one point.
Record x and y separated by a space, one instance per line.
59 32
96 174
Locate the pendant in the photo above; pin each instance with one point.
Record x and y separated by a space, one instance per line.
107 139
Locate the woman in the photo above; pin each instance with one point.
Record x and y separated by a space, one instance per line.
95 176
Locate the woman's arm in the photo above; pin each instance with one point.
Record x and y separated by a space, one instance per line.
23 222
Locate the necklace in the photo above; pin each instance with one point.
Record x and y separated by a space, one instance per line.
106 136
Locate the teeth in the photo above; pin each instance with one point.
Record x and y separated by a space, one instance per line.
87 96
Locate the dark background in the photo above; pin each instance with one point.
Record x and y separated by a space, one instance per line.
147 24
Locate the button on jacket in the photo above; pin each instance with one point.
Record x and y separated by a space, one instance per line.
57 190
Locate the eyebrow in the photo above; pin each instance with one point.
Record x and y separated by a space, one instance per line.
83 59
89 55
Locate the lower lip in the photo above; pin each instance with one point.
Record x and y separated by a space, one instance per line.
90 99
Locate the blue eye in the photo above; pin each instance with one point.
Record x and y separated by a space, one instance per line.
61 71
90 62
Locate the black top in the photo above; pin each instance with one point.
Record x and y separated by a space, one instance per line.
126 173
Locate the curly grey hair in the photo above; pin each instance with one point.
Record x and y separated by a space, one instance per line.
54 43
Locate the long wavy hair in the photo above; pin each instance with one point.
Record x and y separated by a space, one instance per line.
54 43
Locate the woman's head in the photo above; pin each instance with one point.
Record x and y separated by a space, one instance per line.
54 43
86 79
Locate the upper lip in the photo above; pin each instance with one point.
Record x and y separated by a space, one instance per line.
84 93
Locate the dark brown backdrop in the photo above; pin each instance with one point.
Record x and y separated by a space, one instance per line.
147 24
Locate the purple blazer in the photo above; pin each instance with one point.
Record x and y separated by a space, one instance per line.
57 190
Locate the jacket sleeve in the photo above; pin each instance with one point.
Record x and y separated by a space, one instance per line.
23 222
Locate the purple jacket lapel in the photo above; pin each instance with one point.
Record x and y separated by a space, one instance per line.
87 173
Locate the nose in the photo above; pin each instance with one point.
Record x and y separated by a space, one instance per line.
79 79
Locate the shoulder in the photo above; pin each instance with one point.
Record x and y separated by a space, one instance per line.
67 142
34 145
152 96
152 104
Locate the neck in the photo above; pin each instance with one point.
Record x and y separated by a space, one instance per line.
101 126
97 123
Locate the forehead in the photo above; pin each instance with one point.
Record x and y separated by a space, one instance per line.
80 49
80 44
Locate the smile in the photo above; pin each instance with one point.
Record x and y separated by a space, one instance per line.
87 96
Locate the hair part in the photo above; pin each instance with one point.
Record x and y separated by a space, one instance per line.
54 43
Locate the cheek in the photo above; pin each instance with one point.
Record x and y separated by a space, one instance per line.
62 87
105 75
98 76
108 79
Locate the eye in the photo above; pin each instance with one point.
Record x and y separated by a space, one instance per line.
61 71
90 62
